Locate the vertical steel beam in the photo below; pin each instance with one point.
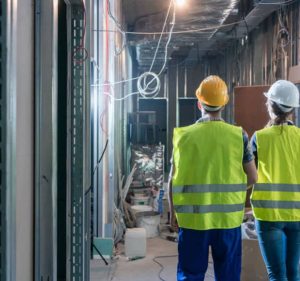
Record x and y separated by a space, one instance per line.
172 106
37 59
3 122
45 139
99 144
97 110
8 140
87 145
78 142
77 196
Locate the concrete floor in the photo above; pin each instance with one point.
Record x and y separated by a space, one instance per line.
120 269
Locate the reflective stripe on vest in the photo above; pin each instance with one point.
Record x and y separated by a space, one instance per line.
202 209
209 185
276 196
276 204
209 188
277 187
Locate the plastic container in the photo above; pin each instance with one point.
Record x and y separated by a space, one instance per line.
135 242
150 221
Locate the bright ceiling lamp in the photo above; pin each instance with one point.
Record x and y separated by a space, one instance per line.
180 2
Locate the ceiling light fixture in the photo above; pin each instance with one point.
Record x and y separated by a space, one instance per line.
180 2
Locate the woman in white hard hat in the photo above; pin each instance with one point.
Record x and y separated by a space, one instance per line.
276 196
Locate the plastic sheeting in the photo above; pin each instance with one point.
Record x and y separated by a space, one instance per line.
248 226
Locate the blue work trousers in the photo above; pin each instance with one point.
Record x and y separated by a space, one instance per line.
193 250
280 247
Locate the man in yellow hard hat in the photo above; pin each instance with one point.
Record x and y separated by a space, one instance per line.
212 167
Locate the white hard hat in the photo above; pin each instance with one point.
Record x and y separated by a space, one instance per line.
284 92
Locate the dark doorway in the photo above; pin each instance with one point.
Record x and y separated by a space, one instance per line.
188 111
62 141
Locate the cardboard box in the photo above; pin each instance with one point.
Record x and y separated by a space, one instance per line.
253 267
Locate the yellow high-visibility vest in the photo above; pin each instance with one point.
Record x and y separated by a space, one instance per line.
209 184
276 196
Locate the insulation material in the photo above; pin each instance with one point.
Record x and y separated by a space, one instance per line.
149 161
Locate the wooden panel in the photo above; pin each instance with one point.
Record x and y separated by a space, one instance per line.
250 110
294 74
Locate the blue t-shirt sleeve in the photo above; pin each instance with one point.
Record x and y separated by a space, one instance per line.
248 155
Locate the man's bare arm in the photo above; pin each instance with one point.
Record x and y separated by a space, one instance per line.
173 222
251 172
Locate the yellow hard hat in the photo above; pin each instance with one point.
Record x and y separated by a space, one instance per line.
213 91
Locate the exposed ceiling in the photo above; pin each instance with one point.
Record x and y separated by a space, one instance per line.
239 16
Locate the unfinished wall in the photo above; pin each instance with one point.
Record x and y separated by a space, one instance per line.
266 54
259 58
111 62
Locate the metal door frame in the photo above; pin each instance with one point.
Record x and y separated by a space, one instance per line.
3 124
8 140
45 56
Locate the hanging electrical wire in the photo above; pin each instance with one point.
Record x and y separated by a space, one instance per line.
280 42
119 28
143 83
145 88
246 25
161 34
283 35
148 84
168 42
170 33
96 166
120 99
115 83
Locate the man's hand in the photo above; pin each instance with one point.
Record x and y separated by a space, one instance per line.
173 221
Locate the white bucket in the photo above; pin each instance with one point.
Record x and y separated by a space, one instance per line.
140 200
150 221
